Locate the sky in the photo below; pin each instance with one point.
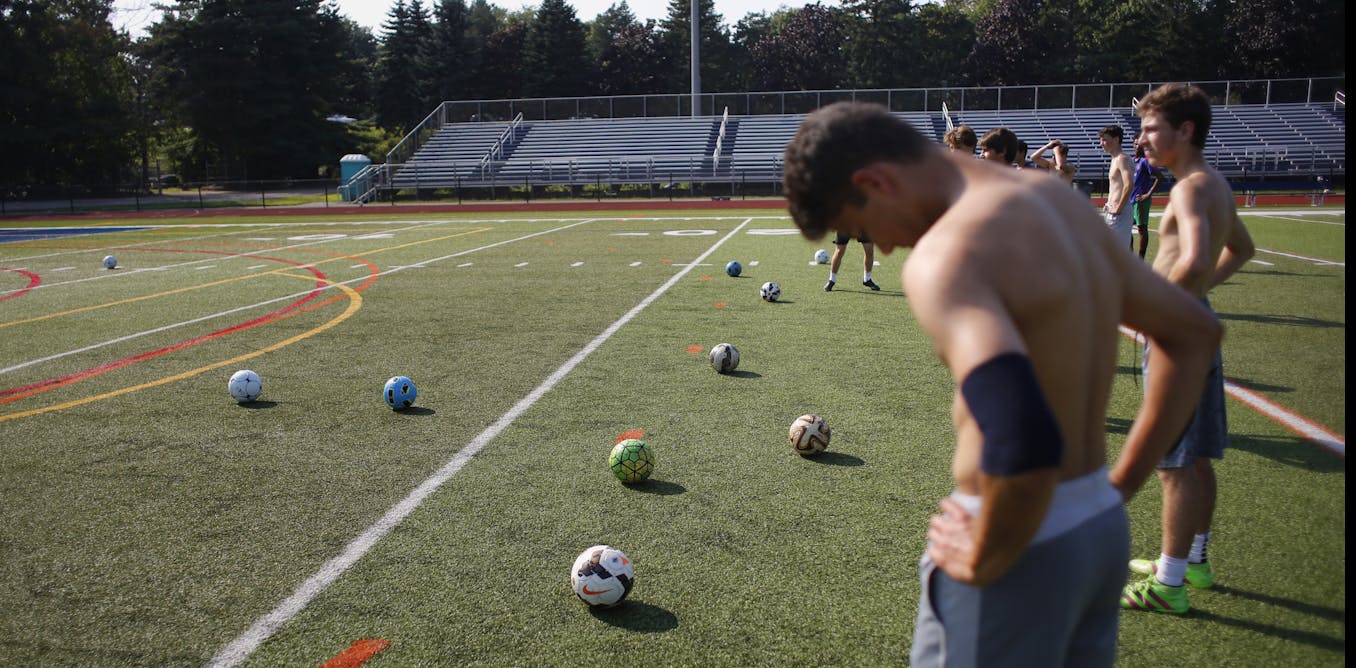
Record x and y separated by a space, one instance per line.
135 15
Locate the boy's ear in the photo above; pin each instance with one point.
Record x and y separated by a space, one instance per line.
872 179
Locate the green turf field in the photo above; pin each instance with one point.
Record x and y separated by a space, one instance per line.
150 520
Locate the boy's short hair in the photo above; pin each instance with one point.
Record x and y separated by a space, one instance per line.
1112 131
1178 103
1002 140
961 137
833 143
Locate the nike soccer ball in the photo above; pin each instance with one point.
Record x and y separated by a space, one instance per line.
245 386
809 435
399 392
821 256
770 291
724 357
110 262
602 576
631 461
734 268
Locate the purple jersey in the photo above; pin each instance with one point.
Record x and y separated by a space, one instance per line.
1144 178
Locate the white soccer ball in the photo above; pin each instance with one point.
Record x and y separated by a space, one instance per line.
110 262
602 576
724 357
809 435
245 386
770 291
821 256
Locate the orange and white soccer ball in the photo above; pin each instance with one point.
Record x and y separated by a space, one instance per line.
602 576
809 435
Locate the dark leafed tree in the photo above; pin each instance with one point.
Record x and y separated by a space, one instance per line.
629 64
1021 42
401 72
66 100
747 32
607 26
943 37
555 54
805 54
500 74
675 39
255 82
1287 38
450 58
880 43
358 59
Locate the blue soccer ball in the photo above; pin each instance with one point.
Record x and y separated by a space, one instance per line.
733 268
399 392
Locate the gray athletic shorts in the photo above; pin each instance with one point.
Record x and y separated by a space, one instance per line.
1207 435
1122 224
1059 605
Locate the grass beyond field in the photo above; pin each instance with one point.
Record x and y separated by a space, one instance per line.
150 520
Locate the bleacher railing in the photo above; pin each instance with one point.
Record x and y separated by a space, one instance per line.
497 149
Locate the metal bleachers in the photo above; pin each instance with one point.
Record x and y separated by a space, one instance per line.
1291 139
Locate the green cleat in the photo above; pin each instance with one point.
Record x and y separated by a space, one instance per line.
1197 575
1151 595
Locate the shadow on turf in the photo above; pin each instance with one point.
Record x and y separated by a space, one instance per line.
837 459
1259 387
416 410
1118 425
637 616
258 404
659 487
1318 640
1330 614
744 374
1287 320
1289 450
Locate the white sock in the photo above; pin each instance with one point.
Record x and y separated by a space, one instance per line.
866 276
1198 544
1171 570
833 277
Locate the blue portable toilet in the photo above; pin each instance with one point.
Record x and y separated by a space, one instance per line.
349 166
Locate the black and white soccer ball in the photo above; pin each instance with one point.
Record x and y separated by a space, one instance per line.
770 292
245 386
724 357
602 576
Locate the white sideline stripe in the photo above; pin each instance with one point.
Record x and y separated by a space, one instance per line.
1316 222
577 264
261 266
275 300
207 266
465 264
242 647
753 264
1264 262
520 264
635 264
1315 260
1313 432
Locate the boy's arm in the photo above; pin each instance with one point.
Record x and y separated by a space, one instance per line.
1194 259
1238 249
1119 172
963 312
1183 337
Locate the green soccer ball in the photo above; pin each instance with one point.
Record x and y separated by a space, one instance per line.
631 461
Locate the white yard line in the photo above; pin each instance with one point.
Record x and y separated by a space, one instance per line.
243 646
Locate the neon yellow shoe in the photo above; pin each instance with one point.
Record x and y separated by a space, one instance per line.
1197 575
1151 595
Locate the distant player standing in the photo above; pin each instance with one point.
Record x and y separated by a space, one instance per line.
840 243
1146 184
1020 290
1120 180
1202 242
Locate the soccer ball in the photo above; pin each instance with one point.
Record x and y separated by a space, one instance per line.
631 461
809 435
245 386
733 268
821 256
724 357
399 392
110 262
770 291
602 576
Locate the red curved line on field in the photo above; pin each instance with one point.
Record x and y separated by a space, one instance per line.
294 308
33 281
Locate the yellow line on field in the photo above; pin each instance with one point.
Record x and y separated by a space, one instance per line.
270 272
355 303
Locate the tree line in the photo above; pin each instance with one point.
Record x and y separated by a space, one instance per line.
249 89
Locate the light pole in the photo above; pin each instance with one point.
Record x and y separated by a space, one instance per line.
696 64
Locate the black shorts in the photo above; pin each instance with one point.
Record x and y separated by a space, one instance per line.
841 239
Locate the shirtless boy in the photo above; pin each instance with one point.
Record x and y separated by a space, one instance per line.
1118 212
1202 242
1020 288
